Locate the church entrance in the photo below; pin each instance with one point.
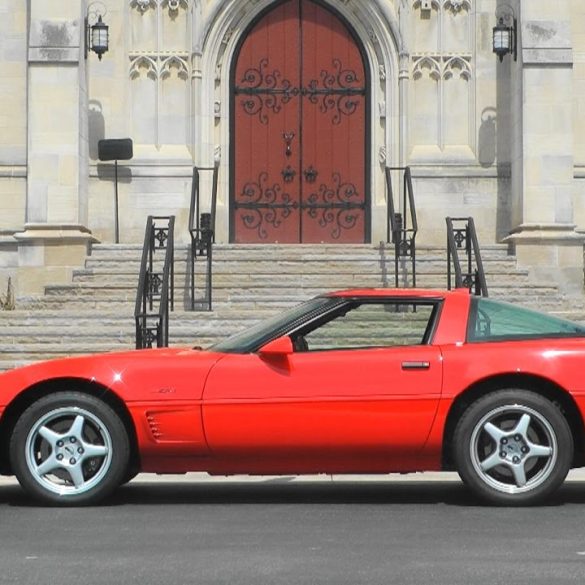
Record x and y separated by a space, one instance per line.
299 142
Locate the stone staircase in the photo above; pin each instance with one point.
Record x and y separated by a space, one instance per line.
95 312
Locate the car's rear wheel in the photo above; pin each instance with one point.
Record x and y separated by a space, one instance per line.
513 447
69 448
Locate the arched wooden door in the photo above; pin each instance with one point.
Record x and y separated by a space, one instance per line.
300 112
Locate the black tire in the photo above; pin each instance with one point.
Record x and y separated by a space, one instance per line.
130 475
69 449
513 447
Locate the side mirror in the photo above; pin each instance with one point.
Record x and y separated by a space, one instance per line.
281 346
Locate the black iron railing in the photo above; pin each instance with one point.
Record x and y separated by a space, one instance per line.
461 235
156 284
402 227
202 230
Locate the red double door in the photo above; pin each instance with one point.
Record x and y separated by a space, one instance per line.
299 105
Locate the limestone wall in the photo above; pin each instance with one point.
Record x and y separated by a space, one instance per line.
440 102
13 114
578 111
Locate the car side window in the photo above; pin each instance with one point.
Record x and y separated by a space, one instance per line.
370 324
498 321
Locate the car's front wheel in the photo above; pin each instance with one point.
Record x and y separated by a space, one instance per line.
69 448
513 447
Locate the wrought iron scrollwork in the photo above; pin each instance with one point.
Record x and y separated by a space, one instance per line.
264 90
341 205
161 235
155 283
151 336
261 204
336 91
406 247
468 280
460 237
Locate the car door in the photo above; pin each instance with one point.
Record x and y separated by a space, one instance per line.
365 381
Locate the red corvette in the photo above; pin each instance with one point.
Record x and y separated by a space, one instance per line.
359 381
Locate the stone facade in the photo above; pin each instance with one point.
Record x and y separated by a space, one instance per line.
502 142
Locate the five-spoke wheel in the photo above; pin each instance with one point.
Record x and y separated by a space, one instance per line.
513 447
69 448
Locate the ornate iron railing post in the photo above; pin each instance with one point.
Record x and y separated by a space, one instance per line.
155 285
202 232
465 237
402 227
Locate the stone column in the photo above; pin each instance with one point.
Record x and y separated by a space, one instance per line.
55 237
542 155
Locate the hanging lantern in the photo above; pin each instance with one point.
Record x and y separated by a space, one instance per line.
99 37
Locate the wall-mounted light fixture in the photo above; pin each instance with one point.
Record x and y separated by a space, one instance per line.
505 33
96 31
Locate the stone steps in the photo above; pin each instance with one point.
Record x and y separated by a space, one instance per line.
254 273
537 298
278 251
95 312
256 284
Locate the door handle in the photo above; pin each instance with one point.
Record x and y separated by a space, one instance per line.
288 138
416 365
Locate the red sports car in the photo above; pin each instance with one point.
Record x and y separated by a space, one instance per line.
358 381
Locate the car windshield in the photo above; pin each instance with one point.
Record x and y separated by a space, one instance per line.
253 337
498 321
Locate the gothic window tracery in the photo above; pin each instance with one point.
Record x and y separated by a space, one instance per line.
160 70
442 73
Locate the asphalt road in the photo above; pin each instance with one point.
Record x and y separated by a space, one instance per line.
418 530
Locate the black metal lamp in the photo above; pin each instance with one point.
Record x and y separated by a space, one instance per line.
99 37
97 34
504 38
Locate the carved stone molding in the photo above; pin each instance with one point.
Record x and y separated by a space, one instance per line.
229 33
432 65
373 36
172 5
454 6
382 155
453 64
167 64
442 66
417 4
143 5
143 63
159 66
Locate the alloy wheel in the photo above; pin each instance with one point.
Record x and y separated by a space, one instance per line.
68 451
513 449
